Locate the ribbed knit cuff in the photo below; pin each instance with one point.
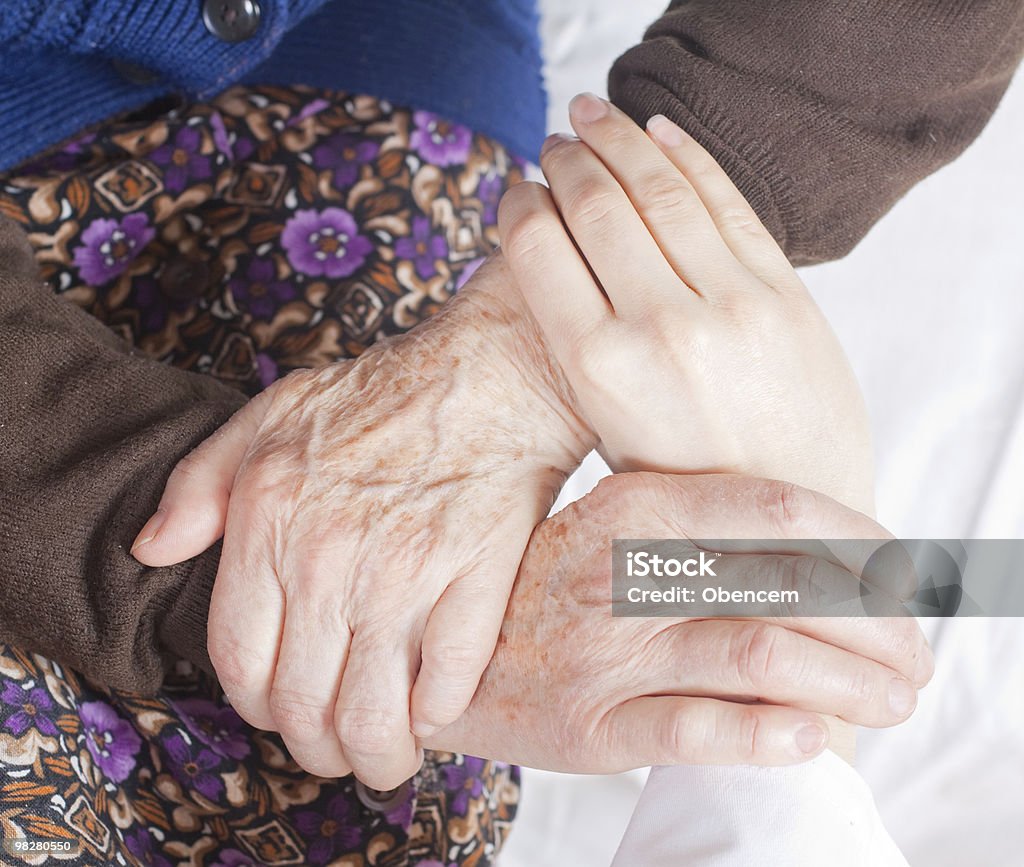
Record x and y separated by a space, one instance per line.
186 611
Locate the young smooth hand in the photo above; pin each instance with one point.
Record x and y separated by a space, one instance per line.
688 338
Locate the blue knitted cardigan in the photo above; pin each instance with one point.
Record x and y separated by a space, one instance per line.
62 62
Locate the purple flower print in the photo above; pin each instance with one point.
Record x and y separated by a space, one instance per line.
331 832
424 248
140 844
60 161
111 246
440 141
221 140
267 369
30 708
401 813
464 780
314 107
111 740
346 154
152 305
193 771
220 728
489 192
468 271
259 290
233 858
325 243
181 159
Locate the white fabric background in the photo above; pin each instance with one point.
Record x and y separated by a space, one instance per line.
930 309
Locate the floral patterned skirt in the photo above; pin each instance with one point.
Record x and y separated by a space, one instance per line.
267 230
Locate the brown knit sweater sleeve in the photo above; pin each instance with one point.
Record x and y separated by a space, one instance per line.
825 112
89 432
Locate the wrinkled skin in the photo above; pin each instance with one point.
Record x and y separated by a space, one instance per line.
376 513
570 688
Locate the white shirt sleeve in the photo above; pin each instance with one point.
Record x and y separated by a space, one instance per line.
819 814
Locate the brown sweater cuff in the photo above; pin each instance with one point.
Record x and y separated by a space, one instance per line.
824 112
182 614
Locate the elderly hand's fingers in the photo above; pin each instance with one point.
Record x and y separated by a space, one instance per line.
548 270
668 730
372 714
304 693
605 225
243 649
879 561
755 660
737 513
737 222
724 506
671 209
890 636
194 505
458 642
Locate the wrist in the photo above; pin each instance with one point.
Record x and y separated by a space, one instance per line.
496 337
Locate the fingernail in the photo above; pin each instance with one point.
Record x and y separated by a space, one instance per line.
555 138
424 730
811 739
148 533
588 107
902 696
665 131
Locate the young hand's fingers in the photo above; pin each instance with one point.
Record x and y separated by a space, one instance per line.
243 649
738 223
194 505
304 691
670 207
372 714
611 235
556 283
669 730
458 642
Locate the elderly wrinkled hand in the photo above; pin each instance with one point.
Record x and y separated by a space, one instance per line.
570 688
376 513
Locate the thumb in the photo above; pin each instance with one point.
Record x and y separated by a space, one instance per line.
194 505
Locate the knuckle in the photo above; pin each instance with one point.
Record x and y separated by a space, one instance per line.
682 740
801 573
524 233
454 661
862 688
592 204
619 133
667 196
750 739
188 469
237 668
368 731
560 153
757 655
298 715
739 219
785 506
